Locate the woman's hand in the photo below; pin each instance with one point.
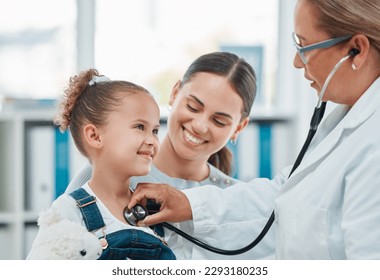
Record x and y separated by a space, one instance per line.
175 206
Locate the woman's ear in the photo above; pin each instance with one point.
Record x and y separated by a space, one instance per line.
240 127
92 136
175 91
362 44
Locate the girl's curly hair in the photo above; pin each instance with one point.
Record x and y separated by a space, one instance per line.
84 102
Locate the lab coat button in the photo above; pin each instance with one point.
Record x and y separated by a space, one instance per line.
213 179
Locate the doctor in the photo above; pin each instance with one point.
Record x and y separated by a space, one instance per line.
329 208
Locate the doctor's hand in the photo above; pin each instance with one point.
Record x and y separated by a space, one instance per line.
175 206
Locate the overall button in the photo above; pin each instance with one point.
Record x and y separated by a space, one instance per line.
213 178
227 182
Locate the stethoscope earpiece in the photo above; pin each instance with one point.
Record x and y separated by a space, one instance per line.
353 52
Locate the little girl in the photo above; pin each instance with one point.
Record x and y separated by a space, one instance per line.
115 125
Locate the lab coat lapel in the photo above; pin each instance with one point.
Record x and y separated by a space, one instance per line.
324 141
332 129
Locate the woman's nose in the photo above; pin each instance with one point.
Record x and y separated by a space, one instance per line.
200 125
297 61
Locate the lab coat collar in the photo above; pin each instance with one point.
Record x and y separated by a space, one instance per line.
363 108
340 119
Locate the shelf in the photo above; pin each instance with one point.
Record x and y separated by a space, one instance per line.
6 218
17 224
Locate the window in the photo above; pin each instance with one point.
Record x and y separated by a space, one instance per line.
37 47
149 42
152 42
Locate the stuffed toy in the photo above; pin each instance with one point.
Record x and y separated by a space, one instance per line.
62 239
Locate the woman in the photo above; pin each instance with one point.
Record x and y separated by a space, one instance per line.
209 107
329 208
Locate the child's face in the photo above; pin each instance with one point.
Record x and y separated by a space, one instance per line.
130 138
206 113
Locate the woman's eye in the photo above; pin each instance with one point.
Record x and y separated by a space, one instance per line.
192 109
219 123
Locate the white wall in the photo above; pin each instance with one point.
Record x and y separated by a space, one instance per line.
295 95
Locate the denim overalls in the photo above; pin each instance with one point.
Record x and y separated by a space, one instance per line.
124 244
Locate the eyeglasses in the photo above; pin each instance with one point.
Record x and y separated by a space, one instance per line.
321 45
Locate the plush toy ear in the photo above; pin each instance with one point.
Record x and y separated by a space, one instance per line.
49 217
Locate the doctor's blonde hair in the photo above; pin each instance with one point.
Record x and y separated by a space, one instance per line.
341 17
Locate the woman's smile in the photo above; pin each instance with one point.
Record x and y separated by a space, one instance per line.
191 138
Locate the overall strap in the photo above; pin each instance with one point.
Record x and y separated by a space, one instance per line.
90 211
159 229
153 208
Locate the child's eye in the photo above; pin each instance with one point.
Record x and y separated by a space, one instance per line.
140 126
155 131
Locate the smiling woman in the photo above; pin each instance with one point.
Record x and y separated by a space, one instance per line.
206 112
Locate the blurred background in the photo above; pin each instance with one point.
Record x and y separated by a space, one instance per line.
148 42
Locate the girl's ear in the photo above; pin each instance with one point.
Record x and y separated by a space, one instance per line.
240 127
175 91
92 136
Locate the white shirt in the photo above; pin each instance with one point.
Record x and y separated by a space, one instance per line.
68 208
230 236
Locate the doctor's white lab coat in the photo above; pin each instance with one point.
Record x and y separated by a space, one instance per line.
328 209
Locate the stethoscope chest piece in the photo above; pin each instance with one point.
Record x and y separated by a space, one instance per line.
137 213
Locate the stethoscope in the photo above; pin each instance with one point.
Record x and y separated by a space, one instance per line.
139 212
